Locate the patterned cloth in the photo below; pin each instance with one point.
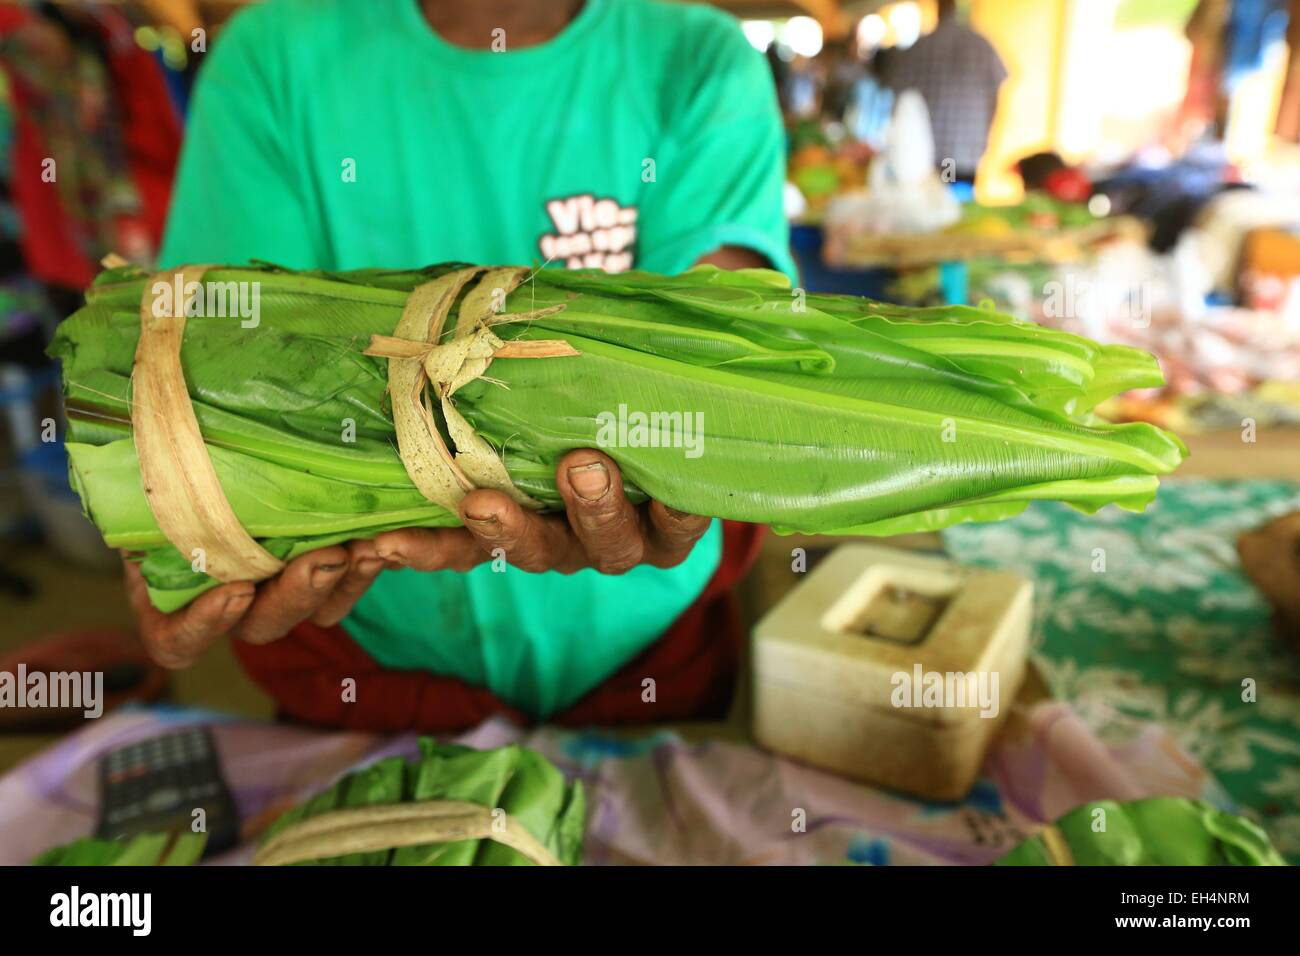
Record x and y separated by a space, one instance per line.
1149 616
958 73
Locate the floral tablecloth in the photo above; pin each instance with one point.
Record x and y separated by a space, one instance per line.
1148 615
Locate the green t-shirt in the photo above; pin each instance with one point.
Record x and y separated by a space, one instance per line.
346 133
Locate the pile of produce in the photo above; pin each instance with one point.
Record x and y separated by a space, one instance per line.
822 169
1037 211
357 402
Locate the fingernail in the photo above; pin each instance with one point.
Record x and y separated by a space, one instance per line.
487 521
590 481
237 604
370 566
324 575
679 515
392 557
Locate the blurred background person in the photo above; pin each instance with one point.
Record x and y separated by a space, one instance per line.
958 73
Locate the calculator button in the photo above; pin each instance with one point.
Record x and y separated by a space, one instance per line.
164 798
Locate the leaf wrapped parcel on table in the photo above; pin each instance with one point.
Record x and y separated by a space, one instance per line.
719 393
513 790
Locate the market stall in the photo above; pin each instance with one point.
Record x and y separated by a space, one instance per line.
463 450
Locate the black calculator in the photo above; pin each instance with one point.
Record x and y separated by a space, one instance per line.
155 785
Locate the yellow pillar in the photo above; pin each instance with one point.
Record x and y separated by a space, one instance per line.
1029 36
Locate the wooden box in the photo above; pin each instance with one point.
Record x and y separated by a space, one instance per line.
892 667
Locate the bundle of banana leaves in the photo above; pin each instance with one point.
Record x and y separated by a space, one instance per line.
332 406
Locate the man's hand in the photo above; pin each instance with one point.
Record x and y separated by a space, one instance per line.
601 530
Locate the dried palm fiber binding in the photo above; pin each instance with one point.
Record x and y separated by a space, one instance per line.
416 359
184 492
358 402
367 829
181 485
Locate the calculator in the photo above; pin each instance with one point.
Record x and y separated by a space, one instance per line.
155 785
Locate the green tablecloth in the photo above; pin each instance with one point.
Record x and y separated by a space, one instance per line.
1150 615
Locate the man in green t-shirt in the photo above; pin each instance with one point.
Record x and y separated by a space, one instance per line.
608 134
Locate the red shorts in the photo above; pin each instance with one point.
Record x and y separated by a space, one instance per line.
693 666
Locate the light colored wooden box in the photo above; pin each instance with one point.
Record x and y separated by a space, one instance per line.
829 664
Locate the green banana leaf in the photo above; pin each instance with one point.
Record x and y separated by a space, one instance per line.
1161 831
819 414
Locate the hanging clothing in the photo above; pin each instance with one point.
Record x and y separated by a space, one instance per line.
96 139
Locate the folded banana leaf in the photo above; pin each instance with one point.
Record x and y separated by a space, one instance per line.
811 413
1161 831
